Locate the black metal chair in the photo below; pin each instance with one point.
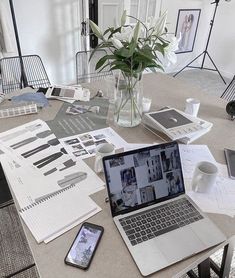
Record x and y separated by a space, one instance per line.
229 93
23 71
85 66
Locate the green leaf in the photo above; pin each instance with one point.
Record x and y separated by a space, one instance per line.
96 30
159 47
102 60
117 30
123 52
108 30
123 18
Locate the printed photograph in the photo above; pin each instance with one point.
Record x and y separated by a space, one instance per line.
72 141
89 143
186 28
80 152
85 137
154 168
101 142
99 136
77 147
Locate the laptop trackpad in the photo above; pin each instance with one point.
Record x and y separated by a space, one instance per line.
179 244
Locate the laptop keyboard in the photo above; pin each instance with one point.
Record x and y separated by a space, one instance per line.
159 220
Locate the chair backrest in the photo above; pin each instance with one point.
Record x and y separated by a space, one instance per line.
229 93
18 72
85 67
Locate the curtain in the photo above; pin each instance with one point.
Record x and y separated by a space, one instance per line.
7 36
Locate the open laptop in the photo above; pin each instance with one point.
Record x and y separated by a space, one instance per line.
158 222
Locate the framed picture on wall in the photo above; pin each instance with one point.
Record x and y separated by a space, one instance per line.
186 27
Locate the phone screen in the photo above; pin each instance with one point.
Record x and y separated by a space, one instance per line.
84 245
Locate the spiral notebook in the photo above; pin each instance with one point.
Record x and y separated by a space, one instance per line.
58 211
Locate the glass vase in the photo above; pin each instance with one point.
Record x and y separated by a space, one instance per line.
128 101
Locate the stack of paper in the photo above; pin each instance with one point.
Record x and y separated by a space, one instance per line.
176 125
51 188
68 93
221 199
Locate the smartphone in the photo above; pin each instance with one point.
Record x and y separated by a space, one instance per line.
84 245
230 159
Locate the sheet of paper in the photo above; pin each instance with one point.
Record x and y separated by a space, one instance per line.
191 155
133 146
84 145
51 216
82 219
37 164
64 124
221 199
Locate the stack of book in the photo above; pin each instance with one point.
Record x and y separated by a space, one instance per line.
176 125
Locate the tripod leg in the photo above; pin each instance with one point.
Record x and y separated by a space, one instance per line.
216 67
189 63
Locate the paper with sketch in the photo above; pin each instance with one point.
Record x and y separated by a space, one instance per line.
221 198
37 164
84 145
191 155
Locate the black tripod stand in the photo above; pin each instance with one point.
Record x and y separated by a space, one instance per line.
23 78
205 52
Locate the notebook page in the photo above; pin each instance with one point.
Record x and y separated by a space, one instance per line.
48 217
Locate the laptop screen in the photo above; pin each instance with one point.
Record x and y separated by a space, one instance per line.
142 177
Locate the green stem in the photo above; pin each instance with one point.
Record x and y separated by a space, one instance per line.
129 96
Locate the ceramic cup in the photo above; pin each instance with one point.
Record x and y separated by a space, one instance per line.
204 176
192 106
101 151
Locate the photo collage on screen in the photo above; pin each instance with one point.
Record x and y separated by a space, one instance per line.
143 177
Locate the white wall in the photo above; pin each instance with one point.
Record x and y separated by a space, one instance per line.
222 43
50 28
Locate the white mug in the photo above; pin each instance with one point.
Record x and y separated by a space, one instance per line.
101 151
192 106
204 176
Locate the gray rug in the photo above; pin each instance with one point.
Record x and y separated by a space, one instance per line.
208 81
15 253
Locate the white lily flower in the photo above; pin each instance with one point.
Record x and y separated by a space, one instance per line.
125 35
116 43
160 25
171 48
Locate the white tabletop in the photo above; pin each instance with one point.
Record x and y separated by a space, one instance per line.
112 258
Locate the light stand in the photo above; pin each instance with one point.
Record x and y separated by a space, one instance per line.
205 52
23 78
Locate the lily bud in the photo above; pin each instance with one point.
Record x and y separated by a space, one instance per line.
96 30
117 43
160 24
